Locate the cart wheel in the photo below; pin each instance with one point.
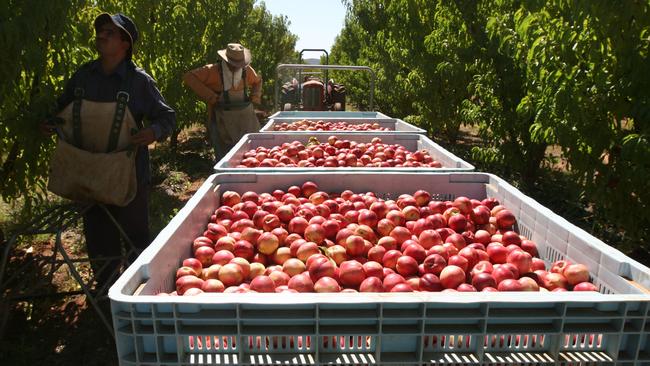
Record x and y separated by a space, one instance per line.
337 107
286 107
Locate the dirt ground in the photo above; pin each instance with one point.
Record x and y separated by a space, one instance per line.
66 330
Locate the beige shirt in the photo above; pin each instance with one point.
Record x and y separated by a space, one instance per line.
231 78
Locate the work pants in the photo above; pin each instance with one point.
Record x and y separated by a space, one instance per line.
103 238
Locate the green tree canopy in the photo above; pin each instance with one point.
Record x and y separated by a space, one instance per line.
42 49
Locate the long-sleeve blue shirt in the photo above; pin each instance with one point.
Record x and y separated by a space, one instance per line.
145 102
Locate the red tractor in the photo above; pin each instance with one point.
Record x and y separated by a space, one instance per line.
313 94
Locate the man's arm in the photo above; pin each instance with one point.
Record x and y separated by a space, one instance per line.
48 128
68 94
203 82
162 117
255 81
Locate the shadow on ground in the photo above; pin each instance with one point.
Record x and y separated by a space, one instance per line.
62 332
66 330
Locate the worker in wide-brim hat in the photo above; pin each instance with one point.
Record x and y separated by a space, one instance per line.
102 153
232 90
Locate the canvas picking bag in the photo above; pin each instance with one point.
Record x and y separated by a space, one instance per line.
94 161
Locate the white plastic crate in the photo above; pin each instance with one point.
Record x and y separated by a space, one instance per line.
328 114
570 328
394 125
411 142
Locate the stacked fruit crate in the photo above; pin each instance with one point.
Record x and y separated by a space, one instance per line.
359 122
304 149
281 259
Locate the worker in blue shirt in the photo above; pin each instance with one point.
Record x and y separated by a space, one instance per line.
101 154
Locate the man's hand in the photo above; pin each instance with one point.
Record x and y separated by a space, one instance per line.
143 137
47 128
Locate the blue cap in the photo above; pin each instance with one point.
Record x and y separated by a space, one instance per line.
121 21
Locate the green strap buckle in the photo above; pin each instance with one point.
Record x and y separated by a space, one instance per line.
122 97
120 110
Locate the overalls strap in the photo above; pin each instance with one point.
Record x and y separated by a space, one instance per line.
122 99
227 105
76 106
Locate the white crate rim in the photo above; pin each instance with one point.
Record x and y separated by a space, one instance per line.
115 295
473 329
328 114
400 125
433 148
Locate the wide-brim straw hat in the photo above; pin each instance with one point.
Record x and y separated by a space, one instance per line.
236 55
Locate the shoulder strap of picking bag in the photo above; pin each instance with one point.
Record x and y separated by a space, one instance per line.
76 116
122 99
226 96
76 105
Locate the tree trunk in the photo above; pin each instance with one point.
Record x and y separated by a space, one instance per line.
173 143
8 165
452 130
532 162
